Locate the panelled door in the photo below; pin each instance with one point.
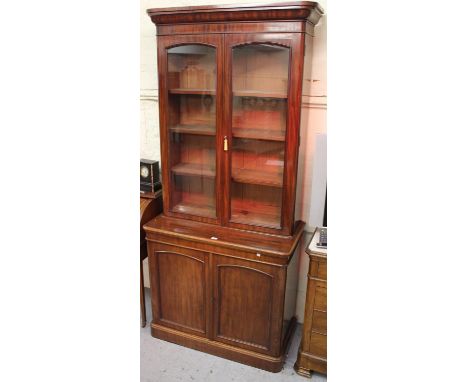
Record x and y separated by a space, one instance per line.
261 92
180 281
247 305
190 87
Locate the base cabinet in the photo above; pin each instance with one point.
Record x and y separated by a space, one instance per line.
212 297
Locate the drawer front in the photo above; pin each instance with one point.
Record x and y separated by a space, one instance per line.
258 257
322 270
319 322
314 340
318 344
320 300
318 268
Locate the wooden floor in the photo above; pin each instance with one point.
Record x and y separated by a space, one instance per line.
166 362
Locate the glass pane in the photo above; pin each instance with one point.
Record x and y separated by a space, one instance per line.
192 129
259 115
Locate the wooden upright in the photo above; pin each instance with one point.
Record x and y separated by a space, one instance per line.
222 256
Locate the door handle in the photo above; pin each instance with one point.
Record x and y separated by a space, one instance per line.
225 143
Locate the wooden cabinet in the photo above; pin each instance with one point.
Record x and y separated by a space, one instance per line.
227 292
222 255
312 355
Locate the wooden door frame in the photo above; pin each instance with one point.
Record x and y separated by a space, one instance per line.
295 43
165 43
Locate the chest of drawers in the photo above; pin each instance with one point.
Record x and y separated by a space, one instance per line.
312 355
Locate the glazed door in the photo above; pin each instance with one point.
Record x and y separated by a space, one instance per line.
262 130
181 297
190 87
247 304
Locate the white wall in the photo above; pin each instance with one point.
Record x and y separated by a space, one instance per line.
314 109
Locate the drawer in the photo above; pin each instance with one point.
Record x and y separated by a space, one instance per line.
322 270
320 300
318 345
319 322
259 257
160 247
318 268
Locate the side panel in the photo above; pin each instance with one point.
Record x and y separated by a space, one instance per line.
290 294
306 90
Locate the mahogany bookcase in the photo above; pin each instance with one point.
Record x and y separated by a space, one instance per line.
222 256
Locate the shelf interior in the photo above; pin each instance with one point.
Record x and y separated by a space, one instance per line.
195 209
261 134
194 195
257 118
259 162
256 204
194 129
259 177
256 218
251 213
193 169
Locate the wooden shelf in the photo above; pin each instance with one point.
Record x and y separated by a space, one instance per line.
195 209
257 218
192 91
268 135
263 178
194 129
193 169
258 94
196 203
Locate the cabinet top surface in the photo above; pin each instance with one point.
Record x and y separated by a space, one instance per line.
312 248
150 195
248 240
289 10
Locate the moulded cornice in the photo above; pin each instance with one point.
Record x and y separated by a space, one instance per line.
292 10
